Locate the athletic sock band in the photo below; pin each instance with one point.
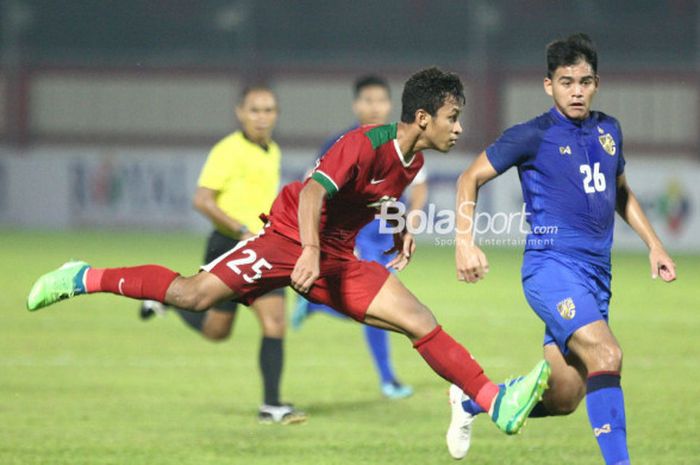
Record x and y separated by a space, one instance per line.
427 337
606 413
601 380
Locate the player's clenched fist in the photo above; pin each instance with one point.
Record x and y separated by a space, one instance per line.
306 270
471 263
662 265
404 246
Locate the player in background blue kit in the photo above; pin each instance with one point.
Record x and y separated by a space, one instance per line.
371 105
571 167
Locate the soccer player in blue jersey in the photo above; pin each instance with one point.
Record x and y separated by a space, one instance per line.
571 167
371 105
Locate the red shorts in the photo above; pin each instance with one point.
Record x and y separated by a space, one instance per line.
265 262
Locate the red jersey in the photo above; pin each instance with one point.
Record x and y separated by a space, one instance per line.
363 169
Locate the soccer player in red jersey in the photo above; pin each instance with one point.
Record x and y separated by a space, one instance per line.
308 243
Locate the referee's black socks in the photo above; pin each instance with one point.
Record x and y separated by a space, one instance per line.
271 359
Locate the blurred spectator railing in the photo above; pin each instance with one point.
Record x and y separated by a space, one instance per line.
659 112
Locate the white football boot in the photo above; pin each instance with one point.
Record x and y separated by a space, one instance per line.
459 433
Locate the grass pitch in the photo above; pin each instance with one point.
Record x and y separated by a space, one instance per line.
86 382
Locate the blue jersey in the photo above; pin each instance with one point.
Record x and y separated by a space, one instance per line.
568 173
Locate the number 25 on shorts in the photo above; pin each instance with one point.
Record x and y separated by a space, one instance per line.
249 257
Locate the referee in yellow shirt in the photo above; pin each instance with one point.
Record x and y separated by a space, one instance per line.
238 182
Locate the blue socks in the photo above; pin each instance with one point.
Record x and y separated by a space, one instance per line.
378 342
473 408
606 413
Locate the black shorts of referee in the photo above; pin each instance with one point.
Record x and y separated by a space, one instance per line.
217 245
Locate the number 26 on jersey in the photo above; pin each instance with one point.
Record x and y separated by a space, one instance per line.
593 179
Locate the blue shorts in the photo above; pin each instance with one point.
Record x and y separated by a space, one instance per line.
371 244
566 294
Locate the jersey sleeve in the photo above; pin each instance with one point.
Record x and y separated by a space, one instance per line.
340 163
514 146
218 167
421 177
620 153
328 144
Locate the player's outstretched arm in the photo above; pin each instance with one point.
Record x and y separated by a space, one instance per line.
629 209
204 201
470 260
307 268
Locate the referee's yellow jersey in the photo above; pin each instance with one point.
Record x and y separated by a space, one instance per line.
246 177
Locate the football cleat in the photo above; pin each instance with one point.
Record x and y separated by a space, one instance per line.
459 433
57 285
395 390
515 400
284 414
151 308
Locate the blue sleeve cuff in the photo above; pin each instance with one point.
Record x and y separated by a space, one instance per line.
494 160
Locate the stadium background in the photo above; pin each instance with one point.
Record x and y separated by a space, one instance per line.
107 111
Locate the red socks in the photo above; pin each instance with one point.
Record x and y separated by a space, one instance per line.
139 282
454 363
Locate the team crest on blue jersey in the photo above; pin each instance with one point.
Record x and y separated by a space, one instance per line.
608 143
565 150
566 308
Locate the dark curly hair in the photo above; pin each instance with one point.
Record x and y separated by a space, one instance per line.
569 51
428 90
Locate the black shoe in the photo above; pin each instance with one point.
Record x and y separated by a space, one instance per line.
151 308
284 414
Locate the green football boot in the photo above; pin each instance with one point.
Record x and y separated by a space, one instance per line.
516 400
57 285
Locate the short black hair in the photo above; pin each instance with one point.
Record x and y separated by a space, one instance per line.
370 80
569 51
250 88
428 90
